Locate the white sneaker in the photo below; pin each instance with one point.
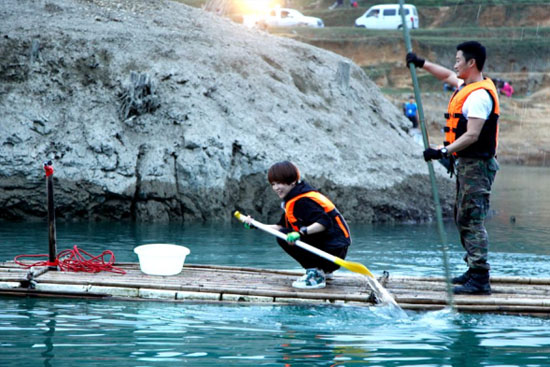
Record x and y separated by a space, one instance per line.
313 279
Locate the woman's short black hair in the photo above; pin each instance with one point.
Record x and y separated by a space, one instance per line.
283 172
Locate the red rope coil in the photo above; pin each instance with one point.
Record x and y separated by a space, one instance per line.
77 260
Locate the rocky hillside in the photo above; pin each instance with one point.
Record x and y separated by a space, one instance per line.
152 110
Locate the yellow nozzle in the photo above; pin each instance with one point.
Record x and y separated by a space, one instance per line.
237 214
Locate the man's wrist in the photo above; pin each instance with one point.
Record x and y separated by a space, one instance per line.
303 230
444 152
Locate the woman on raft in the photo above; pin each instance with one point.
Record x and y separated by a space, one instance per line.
311 217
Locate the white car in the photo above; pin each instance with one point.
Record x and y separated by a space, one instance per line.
284 17
387 16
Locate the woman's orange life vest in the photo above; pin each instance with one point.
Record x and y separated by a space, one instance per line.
486 145
324 202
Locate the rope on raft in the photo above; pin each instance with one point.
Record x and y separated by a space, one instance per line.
76 260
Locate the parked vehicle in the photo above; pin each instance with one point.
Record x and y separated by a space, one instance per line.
284 17
387 16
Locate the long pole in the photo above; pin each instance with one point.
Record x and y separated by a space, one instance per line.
52 255
435 193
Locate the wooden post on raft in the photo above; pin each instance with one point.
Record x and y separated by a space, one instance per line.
52 255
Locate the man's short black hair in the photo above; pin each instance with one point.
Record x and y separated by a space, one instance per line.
473 50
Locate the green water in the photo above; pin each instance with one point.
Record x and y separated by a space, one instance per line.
56 332
38 332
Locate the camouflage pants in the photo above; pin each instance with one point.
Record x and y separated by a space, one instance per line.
474 178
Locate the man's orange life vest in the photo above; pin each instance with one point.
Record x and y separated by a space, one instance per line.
324 202
486 145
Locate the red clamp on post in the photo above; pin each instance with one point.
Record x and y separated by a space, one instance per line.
48 168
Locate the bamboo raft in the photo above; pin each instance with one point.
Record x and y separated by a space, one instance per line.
205 283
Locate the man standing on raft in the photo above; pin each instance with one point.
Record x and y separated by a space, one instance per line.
471 138
309 216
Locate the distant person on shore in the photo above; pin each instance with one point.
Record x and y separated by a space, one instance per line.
411 111
337 4
507 89
471 136
448 88
499 83
309 216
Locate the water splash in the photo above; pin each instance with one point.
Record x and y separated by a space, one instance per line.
438 320
390 307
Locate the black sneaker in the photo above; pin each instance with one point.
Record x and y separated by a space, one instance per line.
461 279
477 284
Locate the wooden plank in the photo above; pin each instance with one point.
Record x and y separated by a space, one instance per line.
508 280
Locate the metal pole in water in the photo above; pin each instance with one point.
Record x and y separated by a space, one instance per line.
51 217
435 193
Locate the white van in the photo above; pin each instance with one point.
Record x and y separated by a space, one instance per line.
387 16
281 17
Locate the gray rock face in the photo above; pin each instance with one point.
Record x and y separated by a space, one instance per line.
155 111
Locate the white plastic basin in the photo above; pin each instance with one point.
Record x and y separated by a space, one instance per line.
161 258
